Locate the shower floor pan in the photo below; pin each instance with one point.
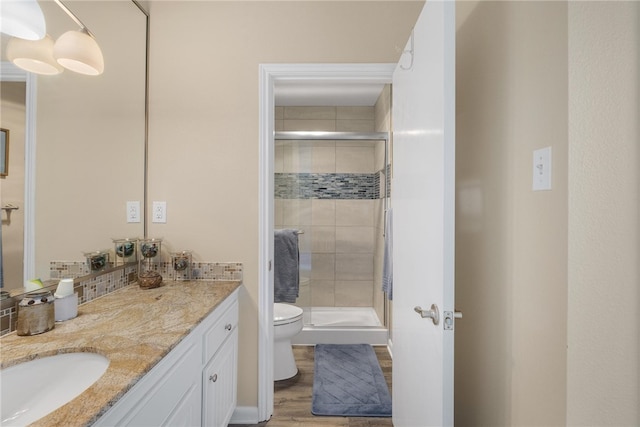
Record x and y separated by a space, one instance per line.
341 325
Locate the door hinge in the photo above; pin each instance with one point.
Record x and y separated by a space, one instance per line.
269 265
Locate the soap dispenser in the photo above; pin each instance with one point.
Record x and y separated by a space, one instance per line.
66 304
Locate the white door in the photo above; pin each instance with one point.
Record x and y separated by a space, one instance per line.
422 199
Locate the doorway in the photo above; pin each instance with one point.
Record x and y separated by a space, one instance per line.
292 77
424 125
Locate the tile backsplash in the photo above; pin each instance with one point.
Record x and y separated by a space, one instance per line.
68 269
90 287
204 271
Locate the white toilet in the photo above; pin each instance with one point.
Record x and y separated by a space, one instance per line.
287 322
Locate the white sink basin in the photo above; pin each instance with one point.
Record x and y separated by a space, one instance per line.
31 390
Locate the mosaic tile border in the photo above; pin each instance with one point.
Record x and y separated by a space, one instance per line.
216 271
104 284
68 269
98 285
8 317
327 185
199 270
88 289
339 186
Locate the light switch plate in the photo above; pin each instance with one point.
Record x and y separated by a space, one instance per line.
542 169
133 211
159 212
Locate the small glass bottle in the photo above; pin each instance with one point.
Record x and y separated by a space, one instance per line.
181 265
126 250
97 260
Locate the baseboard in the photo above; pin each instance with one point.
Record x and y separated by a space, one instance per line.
245 415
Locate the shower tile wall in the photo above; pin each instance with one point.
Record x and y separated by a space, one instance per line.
339 234
341 119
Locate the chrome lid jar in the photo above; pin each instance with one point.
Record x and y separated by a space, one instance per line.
36 313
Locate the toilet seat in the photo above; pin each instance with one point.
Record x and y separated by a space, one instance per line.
284 314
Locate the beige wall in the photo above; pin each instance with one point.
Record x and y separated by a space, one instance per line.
604 232
12 115
203 153
547 281
511 242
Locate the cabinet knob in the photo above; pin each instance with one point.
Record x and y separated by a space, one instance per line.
228 326
213 378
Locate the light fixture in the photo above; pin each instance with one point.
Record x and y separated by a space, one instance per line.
23 19
78 50
35 56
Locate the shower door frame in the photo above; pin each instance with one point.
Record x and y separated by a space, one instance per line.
384 137
269 76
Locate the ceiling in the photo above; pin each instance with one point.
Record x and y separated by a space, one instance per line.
311 93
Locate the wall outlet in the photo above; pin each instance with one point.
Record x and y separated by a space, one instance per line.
133 211
159 212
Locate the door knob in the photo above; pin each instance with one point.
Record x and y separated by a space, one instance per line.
433 314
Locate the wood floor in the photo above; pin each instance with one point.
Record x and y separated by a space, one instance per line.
292 397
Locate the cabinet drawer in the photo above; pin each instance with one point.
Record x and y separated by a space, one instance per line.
220 330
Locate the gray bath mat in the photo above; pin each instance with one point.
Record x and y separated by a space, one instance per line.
348 381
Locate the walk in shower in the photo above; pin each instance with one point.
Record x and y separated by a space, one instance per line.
332 187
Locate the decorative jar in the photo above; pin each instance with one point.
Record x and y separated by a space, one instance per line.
148 275
97 260
181 264
125 250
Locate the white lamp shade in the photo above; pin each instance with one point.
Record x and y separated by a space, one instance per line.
22 18
79 52
35 56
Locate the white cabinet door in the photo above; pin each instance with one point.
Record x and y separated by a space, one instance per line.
188 412
219 384
169 392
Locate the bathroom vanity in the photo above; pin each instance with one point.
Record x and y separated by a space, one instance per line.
196 381
172 356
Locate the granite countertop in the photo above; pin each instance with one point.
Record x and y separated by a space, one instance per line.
134 328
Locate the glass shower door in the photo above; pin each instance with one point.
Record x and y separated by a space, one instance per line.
332 191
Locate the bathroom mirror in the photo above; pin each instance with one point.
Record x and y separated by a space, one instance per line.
89 134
